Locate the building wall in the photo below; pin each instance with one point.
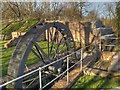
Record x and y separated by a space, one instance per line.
77 29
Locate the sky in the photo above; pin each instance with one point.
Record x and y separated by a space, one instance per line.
100 7
60 0
103 0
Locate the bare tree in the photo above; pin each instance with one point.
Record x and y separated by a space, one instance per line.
93 15
110 9
54 10
118 18
14 6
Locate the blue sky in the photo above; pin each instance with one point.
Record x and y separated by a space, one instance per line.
76 0
100 7
102 0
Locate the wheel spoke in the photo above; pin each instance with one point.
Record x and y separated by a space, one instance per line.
55 34
51 34
32 82
39 56
48 42
30 50
41 51
57 48
63 45
59 44
35 53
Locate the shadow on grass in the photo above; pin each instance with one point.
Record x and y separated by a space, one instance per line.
3 70
95 83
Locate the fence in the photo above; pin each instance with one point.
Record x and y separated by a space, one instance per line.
41 68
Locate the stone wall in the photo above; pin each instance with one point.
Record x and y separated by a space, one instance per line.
15 38
52 31
17 34
12 42
81 31
84 31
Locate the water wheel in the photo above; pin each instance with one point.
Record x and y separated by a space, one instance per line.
42 44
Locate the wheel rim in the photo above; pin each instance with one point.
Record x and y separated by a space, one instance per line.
29 43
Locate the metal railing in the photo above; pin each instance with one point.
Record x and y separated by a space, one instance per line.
41 68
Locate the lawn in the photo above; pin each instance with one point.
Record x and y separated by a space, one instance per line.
7 29
95 82
5 57
13 27
22 26
7 54
28 23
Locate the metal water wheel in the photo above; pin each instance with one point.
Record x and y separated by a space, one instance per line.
42 44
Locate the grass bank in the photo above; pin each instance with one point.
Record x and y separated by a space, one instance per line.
96 82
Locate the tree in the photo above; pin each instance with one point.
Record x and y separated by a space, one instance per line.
54 10
14 6
92 15
118 18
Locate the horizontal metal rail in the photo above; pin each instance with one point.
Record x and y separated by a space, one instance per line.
41 68
18 78
111 45
62 73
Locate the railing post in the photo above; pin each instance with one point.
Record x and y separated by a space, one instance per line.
67 69
40 78
100 46
81 59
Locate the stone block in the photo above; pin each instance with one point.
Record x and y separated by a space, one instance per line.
115 66
17 34
11 42
95 72
106 56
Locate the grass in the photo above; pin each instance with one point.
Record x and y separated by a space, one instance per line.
3 26
5 57
7 29
22 26
85 82
7 54
28 23
95 82
13 27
